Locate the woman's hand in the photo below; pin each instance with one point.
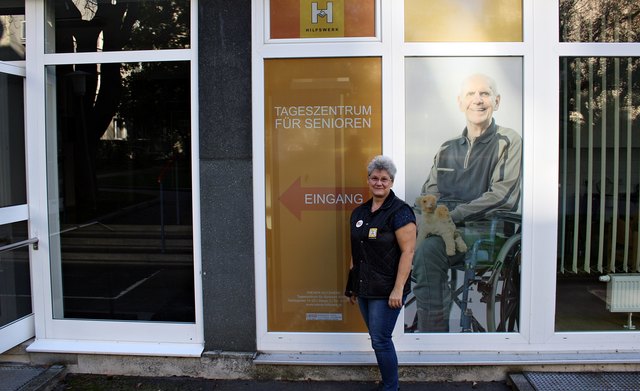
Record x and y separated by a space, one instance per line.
353 299
395 298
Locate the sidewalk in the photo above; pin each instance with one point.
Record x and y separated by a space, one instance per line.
122 383
19 377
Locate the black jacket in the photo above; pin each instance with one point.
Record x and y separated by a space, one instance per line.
375 250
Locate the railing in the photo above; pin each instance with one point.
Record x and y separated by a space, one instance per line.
20 244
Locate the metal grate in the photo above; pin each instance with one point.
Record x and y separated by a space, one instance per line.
13 377
597 381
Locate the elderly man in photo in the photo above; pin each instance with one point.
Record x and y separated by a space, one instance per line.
475 173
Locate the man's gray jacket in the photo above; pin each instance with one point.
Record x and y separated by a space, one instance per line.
485 175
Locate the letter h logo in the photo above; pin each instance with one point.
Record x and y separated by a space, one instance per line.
326 13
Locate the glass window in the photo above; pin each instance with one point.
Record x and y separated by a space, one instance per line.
321 19
13 187
463 21
323 124
599 193
463 159
120 191
92 26
599 21
12 31
15 285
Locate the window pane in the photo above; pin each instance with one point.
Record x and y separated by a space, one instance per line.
323 123
599 192
95 26
13 187
12 30
463 21
470 280
120 178
15 283
599 21
328 19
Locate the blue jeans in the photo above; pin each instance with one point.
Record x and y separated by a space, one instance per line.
380 320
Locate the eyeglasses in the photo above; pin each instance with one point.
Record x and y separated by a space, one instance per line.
374 179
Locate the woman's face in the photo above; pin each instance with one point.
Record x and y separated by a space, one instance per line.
380 183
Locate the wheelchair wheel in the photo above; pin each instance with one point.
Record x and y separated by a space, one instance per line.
503 303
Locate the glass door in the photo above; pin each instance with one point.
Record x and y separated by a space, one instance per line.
121 240
112 124
16 314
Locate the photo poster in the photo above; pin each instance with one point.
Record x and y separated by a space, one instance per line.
323 125
321 18
463 21
432 116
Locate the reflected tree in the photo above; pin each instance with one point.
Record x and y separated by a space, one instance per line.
90 96
599 20
600 81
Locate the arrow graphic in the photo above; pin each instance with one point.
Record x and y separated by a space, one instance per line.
298 199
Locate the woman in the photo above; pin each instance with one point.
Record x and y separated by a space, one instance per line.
383 238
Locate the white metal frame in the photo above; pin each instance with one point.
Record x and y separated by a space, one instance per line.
21 329
269 341
91 336
540 51
547 104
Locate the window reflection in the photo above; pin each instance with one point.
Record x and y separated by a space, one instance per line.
13 187
95 26
15 285
123 179
599 21
599 189
12 31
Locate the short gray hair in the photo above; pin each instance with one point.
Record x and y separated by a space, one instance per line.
385 163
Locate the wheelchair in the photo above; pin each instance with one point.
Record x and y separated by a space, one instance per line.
490 275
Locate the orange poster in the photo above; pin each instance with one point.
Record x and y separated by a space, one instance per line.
323 124
322 18
463 21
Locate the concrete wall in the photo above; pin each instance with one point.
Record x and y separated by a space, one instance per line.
225 174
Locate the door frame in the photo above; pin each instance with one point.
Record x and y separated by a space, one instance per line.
21 329
96 336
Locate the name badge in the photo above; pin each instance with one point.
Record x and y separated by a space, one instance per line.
373 233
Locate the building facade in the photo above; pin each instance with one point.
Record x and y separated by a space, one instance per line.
178 175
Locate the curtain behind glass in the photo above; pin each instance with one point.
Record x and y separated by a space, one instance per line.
599 188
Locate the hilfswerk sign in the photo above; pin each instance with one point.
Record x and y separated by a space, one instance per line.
322 19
